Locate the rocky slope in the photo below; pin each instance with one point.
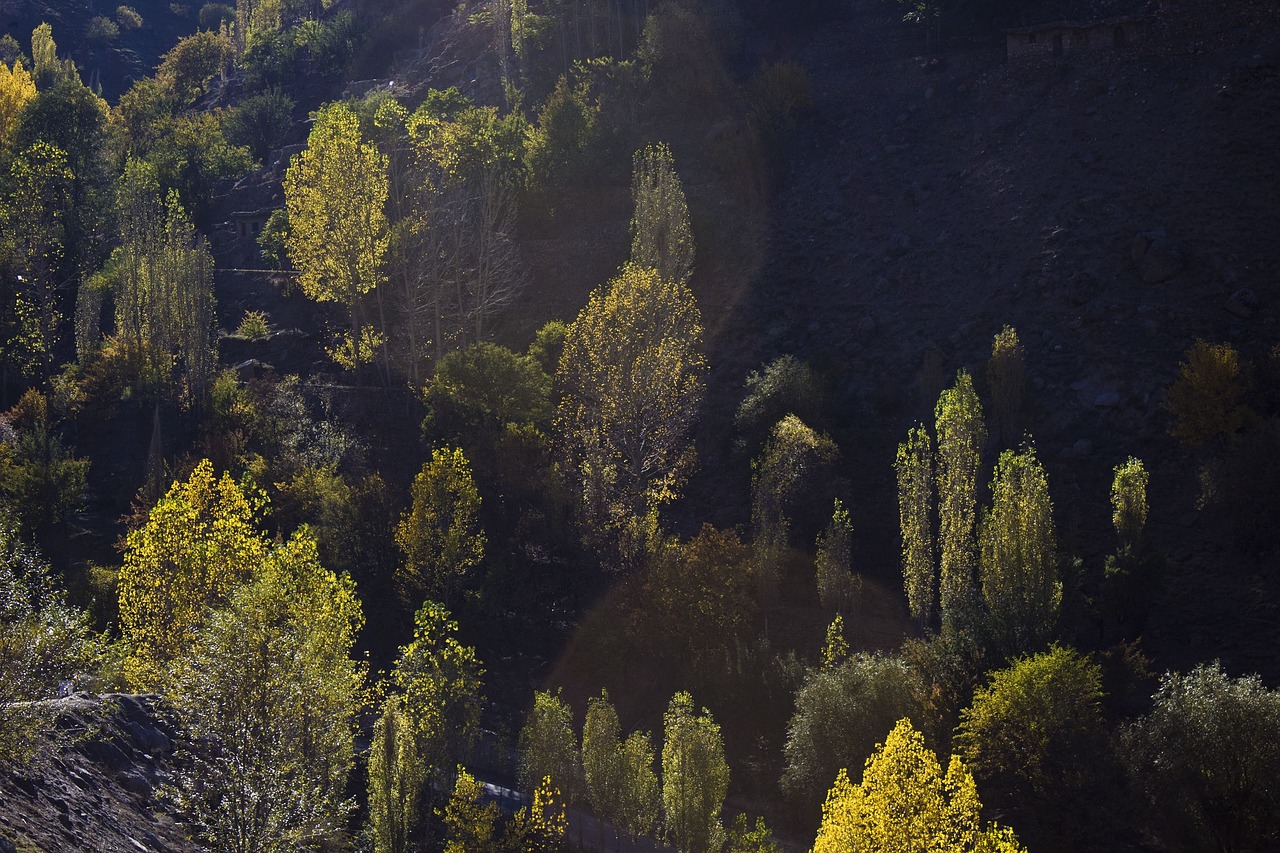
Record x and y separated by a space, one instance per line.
95 790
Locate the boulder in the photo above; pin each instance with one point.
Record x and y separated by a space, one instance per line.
1158 256
1243 303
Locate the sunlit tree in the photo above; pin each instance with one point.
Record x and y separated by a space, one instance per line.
695 777
961 435
914 466
660 235
440 534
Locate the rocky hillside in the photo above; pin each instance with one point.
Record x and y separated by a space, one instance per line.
96 789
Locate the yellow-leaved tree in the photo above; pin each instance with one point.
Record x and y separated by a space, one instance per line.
440 535
905 804
16 89
198 543
335 193
630 382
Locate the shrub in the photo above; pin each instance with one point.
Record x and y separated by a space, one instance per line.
213 15
1206 399
254 326
785 386
101 29
128 18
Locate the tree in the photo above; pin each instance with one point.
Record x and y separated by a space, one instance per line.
191 63
661 239
914 466
16 91
786 470
164 296
639 794
396 775
440 680
837 585
268 694
1034 738
1007 377
961 434
1208 756
440 534
698 594
1019 553
548 748
470 824
335 192
1129 502
601 764
838 710
784 386
47 68
491 386
197 544
43 643
695 777
35 216
631 380
540 826
40 477
905 804
1206 399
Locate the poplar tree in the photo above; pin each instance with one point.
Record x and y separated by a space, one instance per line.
905 803
1018 560
396 775
1129 502
198 543
548 748
660 235
440 534
630 383
914 466
837 585
335 192
16 91
695 777
639 794
961 435
1007 378
601 767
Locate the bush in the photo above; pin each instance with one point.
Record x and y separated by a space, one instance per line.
254 326
128 18
101 29
214 15
1208 756
841 712
785 386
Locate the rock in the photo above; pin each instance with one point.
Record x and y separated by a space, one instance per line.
7 846
899 245
249 369
1081 449
1107 400
1161 260
135 783
866 326
1243 303
1141 243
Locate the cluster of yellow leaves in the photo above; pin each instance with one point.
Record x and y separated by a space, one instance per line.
905 804
16 89
198 544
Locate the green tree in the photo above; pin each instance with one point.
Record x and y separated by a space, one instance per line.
639 794
1129 502
914 466
198 543
630 382
440 534
335 193
396 776
601 763
1034 738
35 216
695 777
43 642
788 469
268 695
661 239
490 386
1007 378
784 386
195 60
743 838
1208 756
837 585
961 434
40 477
905 804
440 680
47 68
470 824
164 272
1018 563
838 710
1206 400
548 748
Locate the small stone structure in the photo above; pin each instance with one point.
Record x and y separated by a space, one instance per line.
1068 38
